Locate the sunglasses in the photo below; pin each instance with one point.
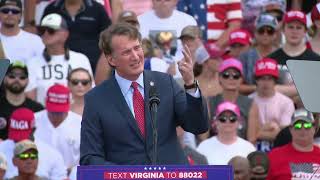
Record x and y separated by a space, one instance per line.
224 119
84 82
306 125
17 76
279 18
8 10
268 30
25 156
237 45
43 30
227 75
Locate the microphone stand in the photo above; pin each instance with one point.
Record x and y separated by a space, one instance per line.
154 102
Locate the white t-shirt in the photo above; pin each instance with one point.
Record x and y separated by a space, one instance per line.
44 74
23 47
218 153
159 65
150 25
176 22
65 138
50 161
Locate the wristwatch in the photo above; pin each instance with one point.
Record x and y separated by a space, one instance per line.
195 84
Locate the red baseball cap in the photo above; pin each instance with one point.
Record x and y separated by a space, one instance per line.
295 16
58 99
240 36
315 13
213 50
266 66
21 124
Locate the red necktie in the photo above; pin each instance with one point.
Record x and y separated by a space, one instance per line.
138 106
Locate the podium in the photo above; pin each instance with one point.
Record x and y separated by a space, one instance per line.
154 172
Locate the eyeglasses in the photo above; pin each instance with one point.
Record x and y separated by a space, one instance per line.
17 76
8 10
83 82
224 119
268 30
227 75
43 30
306 125
25 156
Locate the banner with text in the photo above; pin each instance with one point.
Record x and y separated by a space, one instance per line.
154 172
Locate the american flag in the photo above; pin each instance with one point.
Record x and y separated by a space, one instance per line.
305 170
197 9
301 167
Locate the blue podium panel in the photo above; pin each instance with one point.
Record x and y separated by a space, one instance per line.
154 172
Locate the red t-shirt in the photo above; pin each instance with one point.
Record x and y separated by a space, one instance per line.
286 163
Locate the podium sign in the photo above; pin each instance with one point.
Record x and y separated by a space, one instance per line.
154 172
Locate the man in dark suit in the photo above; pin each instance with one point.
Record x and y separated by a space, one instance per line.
116 124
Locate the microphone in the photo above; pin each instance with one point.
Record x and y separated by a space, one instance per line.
154 101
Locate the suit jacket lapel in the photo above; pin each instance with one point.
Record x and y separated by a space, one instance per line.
123 107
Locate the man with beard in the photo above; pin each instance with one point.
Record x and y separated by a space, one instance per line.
16 41
15 82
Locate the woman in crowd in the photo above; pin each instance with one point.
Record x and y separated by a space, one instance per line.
230 78
79 82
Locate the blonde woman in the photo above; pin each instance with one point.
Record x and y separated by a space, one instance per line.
79 83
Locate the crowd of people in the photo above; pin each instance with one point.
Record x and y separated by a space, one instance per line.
238 49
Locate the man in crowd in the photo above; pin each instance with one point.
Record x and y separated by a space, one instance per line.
57 60
275 109
21 128
239 42
295 29
299 159
265 35
277 9
17 43
227 142
192 37
259 165
26 160
58 126
241 168
15 82
86 19
165 19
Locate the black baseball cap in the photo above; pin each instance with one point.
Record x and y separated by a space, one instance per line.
17 3
17 65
